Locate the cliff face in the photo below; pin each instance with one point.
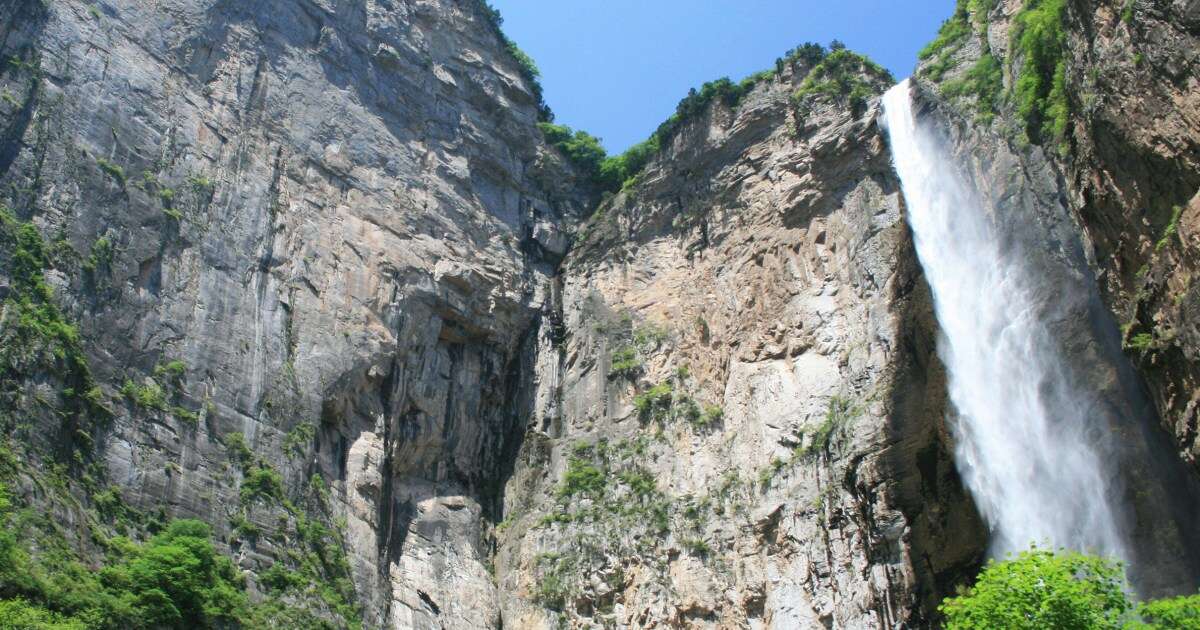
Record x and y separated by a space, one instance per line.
309 272
739 421
319 231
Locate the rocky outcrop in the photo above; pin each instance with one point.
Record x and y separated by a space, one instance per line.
739 423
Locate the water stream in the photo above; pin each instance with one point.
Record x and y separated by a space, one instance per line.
1025 445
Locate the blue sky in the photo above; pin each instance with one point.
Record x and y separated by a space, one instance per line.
616 68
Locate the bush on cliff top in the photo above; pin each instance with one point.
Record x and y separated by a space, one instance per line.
835 70
840 76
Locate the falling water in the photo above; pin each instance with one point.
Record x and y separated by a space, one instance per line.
1025 445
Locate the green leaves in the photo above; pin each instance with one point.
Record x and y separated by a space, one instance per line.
580 147
175 579
840 76
1176 613
1041 85
1041 589
581 478
1062 590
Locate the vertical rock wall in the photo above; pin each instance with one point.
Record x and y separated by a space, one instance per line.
309 226
739 423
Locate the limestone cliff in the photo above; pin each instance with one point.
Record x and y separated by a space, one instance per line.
307 239
308 271
738 423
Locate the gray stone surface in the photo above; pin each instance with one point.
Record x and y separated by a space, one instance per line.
341 218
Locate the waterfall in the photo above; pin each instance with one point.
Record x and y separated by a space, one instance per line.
1026 446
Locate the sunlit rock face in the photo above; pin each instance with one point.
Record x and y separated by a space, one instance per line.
740 421
337 215
327 239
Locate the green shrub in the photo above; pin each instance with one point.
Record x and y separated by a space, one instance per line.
1040 89
840 76
650 337
951 34
148 395
582 478
239 452
712 415
175 579
1040 589
839 412
18 614
625 363
1141 342
808 53
970 16
551 591
1171 230
1176 613
654 403
697 547
114 171
580 147
984 81
298 439
201 184
173 370
261 483
640 482
100 256
185 414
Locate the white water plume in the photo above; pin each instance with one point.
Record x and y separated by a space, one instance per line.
1025 444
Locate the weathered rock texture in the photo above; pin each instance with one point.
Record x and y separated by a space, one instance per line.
761 266
325 238
327 211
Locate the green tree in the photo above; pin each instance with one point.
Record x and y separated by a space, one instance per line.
1040 590
1176 613
18 614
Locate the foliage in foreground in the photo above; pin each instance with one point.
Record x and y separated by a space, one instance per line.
175 579
1046 590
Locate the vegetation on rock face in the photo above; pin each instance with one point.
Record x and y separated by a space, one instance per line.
36 337
174 579
1040 90
836 74
970 16
1040 589
625 363
984 81
580 147
840 75
1038 45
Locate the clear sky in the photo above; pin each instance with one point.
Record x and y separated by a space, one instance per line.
617 68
